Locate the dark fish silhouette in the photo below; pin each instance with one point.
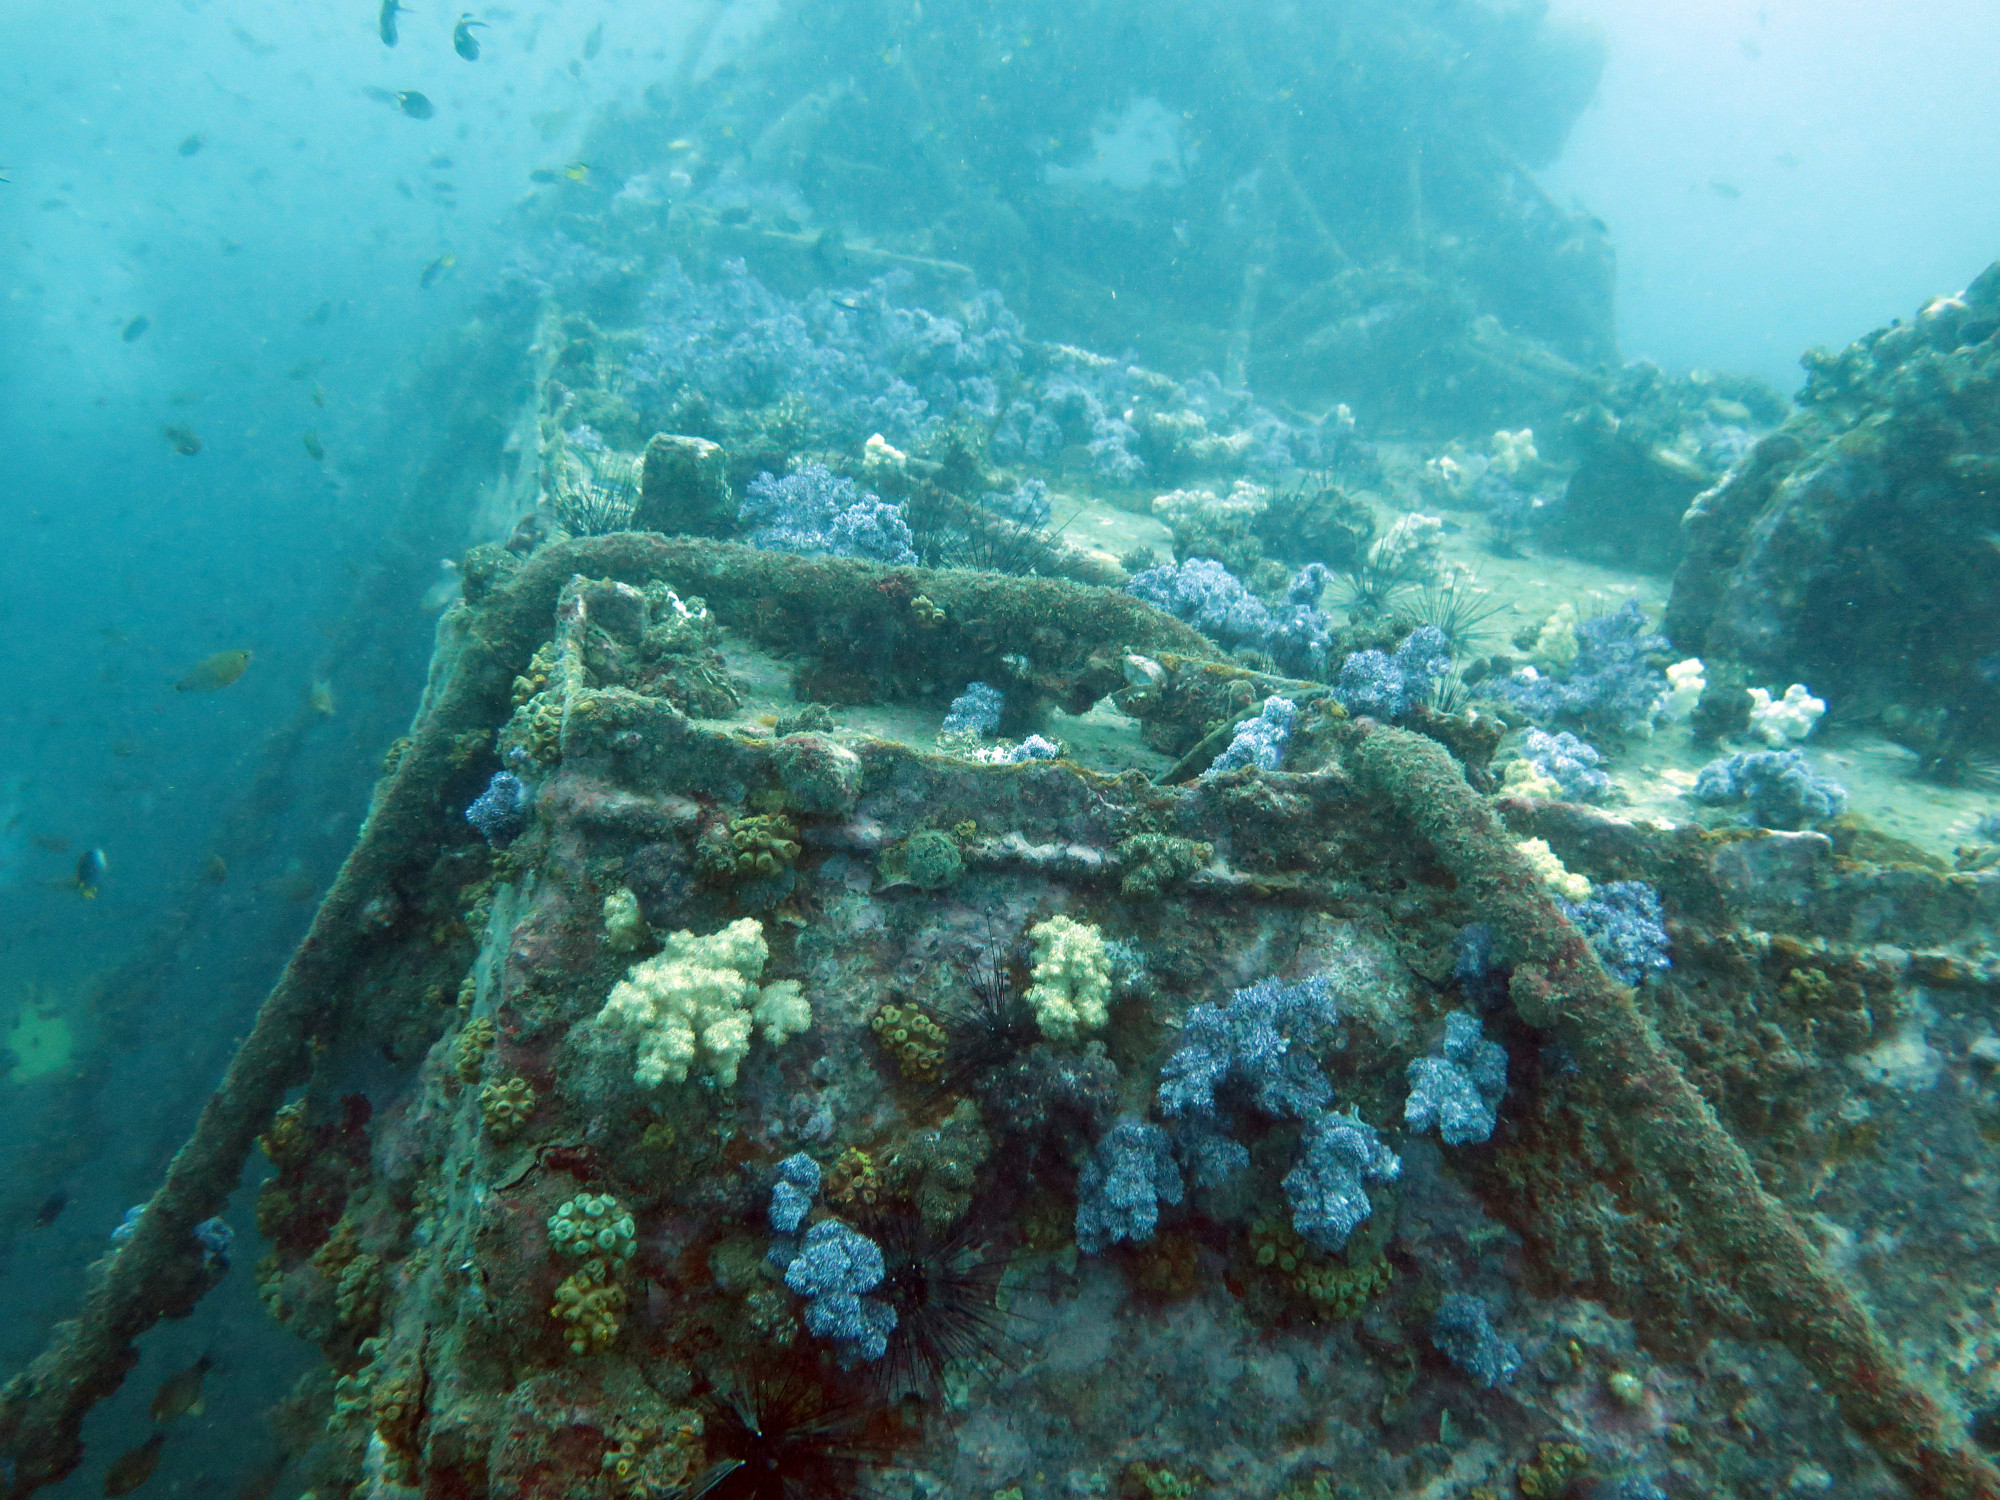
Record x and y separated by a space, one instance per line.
212 673
192 144
436 269
51 1209
463 42
180 1393
186 444
386 23
417 106
315 450
592 42
134 1467
136 329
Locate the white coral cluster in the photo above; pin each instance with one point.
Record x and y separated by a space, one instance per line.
1072 988
698 1000
1786 720
1549 866
1515 451
1244 503
1686 682
1413 548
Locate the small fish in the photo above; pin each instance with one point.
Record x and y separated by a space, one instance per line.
463 42
184 398
320 697
440 163
315 450
180 1394
318 395
134 1467
544 174
594 41
318 316
214 672
417 106
90 868
215 869
577 171
136 329
386 22
436 269
1723 189
50 842
51 1209
186 444
192 144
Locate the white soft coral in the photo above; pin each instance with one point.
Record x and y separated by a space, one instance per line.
698 1000
1787 720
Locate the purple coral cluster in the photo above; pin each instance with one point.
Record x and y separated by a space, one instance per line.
1251 1055
1255 1053
1258 1045
793 1194
1624 923
1780 785
863 361
1459 1087
1259 742
1205 594
501 811
977 710
1568 762
1209 597
1463 1332
817 512
1328 1189
1122 1184
1383 686
1610 684
834 1269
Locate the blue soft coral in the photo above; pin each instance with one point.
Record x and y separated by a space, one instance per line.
1458 1089
834 1270
1780 785
815 511
1119 1191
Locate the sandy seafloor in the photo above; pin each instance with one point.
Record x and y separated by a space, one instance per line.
1651 776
